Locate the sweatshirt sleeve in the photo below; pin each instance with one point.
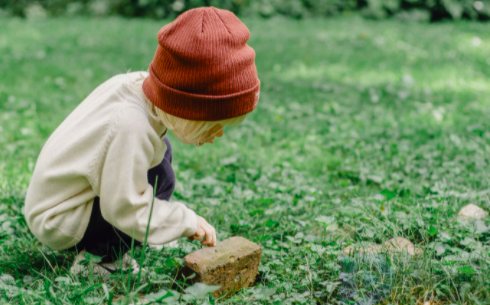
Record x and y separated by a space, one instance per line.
126 195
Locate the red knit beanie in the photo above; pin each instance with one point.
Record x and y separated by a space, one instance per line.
203 69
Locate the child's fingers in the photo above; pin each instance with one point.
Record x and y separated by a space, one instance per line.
199 234
208 240
214 237
210 235
213 241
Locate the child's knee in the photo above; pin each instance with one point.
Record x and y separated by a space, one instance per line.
168 153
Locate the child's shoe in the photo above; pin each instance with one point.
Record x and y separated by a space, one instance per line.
172 244
104 269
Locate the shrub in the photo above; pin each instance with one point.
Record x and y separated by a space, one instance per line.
405 9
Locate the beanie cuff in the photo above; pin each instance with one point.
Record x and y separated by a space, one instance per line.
198 107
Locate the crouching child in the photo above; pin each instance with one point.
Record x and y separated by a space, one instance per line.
94 182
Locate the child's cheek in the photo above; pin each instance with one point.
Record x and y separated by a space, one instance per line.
184 140
177 135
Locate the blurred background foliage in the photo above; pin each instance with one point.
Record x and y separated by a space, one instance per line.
416 10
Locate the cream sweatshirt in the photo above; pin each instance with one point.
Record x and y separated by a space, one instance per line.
104 148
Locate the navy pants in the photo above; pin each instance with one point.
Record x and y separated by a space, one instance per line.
101 238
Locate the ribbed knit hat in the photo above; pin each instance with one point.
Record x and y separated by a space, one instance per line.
203 69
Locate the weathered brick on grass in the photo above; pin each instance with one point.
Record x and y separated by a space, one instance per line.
232 264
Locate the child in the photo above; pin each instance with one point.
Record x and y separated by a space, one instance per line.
94 180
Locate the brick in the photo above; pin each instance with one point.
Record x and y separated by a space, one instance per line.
232 264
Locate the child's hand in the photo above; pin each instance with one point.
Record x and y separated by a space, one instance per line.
204 228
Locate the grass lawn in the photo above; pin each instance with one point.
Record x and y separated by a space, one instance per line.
365 130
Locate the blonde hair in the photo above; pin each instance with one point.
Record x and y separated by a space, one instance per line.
187 131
